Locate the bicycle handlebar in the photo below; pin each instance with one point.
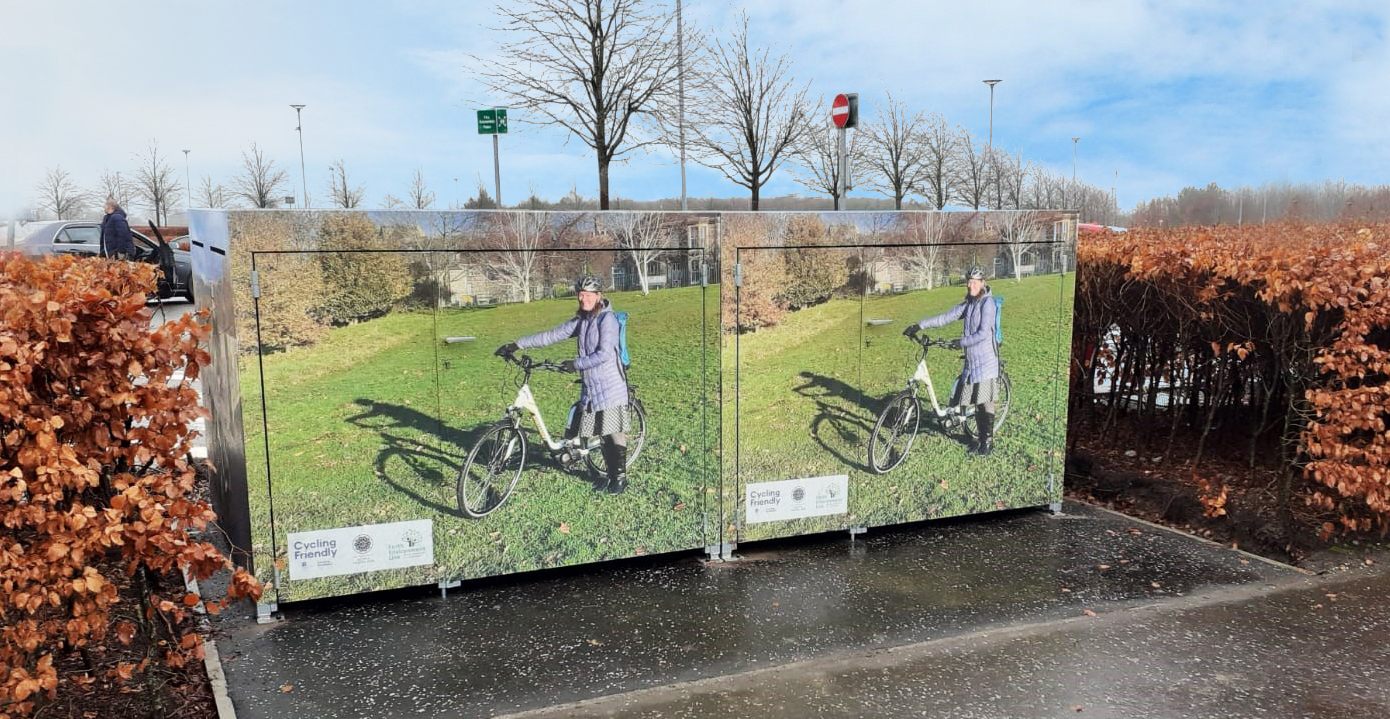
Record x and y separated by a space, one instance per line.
526 363
926 341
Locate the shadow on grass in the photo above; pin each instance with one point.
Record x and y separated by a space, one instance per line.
845 412
434 463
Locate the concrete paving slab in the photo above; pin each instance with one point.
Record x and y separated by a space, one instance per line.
559 639
1315 651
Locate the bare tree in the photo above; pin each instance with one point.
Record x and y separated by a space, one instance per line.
391 202
519 238
340 193
1012 172
112 185
593 67
1018 231
156 183
939 162
58 194
818 159
895 155
259 182
213 196
639 234
420 196
923 259
750 115
972 182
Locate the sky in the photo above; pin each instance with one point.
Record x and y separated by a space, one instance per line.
1163 94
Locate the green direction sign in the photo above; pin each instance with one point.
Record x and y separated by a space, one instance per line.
492 122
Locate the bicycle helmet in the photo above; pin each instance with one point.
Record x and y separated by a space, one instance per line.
589 283
975 273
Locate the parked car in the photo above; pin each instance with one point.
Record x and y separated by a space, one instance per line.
84 238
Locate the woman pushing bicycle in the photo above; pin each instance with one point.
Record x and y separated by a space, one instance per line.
602 410
979 378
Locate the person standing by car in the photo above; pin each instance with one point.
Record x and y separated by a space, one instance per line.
979 377
116 241
602 410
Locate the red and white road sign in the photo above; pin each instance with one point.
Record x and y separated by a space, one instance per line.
839 110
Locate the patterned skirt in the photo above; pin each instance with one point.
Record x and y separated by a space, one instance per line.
969 394
600 423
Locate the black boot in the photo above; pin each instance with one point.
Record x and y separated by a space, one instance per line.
615 458
985 442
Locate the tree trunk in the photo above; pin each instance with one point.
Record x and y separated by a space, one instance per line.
602 181
753 199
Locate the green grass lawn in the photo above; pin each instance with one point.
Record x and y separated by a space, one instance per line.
371 425
810 389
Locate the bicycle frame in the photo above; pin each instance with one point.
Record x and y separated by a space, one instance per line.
923 376
526 402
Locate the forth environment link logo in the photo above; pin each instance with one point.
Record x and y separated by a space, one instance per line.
412 538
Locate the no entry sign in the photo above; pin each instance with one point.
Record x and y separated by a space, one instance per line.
839 110
844 111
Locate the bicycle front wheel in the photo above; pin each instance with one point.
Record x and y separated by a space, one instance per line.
894 432
490 474
636 439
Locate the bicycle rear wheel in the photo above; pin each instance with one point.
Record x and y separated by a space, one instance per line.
894 432
636 439
493 467
1001 410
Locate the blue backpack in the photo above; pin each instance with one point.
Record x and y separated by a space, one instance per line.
622 339
998 321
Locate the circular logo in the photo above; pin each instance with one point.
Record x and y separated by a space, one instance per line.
362 544
798 494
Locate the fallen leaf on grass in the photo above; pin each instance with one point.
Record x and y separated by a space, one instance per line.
286 688
564 528
679 507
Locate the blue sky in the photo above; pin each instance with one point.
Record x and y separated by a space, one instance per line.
1163 94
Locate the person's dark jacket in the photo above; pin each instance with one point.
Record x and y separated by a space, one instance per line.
115 235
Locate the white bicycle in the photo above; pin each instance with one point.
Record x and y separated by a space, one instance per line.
900 420
495 463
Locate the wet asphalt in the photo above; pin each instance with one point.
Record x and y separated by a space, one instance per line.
1014 614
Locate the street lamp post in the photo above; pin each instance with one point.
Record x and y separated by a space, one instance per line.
991 84
187 181
680 100
304 182
989 151
1073 158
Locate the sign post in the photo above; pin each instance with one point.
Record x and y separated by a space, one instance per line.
844 112
494 122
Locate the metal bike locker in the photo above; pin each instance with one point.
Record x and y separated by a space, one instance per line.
904 267
337 447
